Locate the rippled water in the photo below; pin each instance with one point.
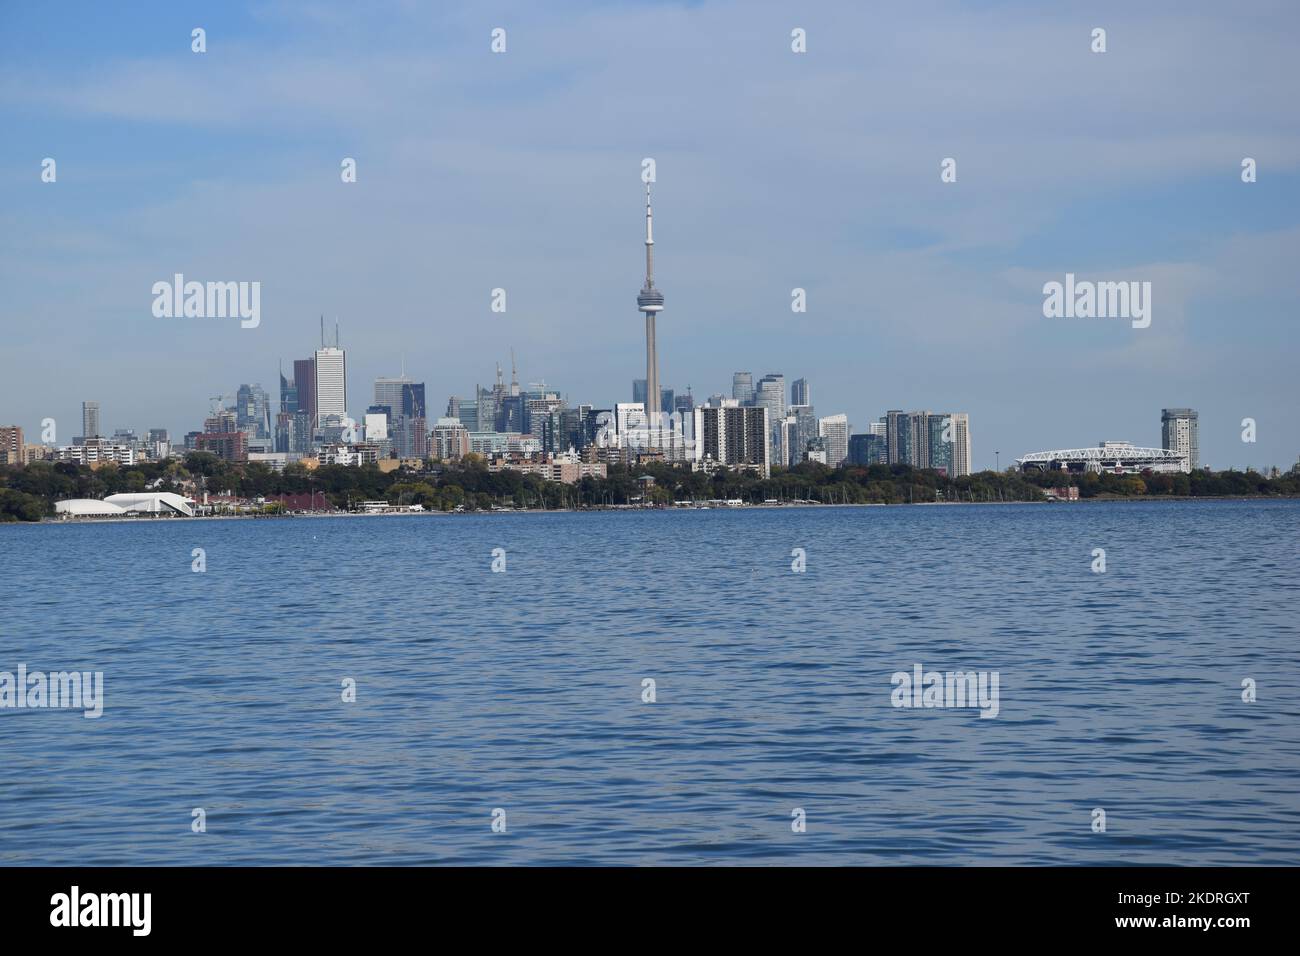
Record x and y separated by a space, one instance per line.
522 690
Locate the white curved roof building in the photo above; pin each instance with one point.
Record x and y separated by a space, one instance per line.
154 503
1118 457
87 508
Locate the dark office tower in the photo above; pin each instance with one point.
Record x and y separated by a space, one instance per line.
940 451
288 395
638 390
570 428
898 437
867 449
413 400
510 414
593 420
453 407
488 399
666 400
800 393
284 430
253 411
304 379
684 403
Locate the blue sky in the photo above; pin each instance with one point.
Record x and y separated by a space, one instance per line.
775 170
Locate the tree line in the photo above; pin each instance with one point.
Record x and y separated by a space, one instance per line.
28 493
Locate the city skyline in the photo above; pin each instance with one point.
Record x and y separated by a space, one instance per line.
919 293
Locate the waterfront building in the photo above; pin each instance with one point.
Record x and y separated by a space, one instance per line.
834 431
867 449
733 435
1179 432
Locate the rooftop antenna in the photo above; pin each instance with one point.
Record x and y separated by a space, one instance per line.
514 374
322 330
336 332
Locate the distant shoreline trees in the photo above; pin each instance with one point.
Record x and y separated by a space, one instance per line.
28 493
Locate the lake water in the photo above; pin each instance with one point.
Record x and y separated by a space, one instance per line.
522 690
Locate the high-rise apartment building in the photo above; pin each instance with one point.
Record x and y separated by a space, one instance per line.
961 456
940 441
898 437
770 394
11 445
734 435
834 431
450 439
802 428
1178 432
90 419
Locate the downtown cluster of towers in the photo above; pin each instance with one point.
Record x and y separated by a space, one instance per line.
754 428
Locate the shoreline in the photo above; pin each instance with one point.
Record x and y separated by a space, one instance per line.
150 519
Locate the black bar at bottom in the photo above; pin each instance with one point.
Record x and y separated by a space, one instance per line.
337 905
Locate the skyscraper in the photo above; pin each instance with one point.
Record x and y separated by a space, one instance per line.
650 301
940 443
89 419
304 379
800 393
742 387
834 430
253 411
288 395
867 448
961 456
389 391
770 394
331 383
801 429
734 435
1178 432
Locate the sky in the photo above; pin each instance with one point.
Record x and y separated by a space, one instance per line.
775 170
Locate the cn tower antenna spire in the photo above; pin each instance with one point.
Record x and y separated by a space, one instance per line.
649 241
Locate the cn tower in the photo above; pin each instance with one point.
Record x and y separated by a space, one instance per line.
650 301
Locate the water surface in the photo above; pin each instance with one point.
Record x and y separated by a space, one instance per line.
522 690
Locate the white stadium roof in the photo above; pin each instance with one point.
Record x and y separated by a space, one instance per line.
151 503
87 507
